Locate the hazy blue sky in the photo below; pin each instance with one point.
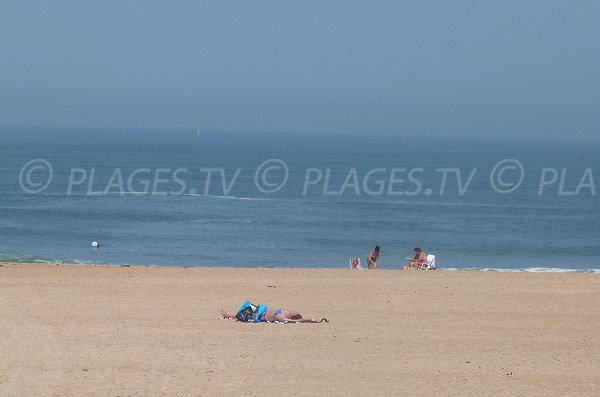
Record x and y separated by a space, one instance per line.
451 67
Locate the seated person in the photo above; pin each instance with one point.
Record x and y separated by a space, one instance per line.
418 261
373 258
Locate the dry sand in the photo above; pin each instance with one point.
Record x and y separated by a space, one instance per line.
118 331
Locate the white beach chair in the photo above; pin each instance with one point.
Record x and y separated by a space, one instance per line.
430 263
355 263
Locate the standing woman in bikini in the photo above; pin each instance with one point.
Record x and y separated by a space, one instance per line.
373 258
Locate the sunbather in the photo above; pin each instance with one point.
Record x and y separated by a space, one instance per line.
279 315
418 261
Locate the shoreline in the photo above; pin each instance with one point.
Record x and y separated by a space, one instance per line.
536 269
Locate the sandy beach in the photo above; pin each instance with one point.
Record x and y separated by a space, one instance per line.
72 330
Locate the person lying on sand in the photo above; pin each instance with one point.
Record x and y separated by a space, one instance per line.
279 315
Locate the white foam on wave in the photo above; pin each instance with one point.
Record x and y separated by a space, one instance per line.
11 258
156 194
224 197
458 204
550 270
524 270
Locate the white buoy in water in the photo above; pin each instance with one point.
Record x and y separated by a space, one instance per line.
95 244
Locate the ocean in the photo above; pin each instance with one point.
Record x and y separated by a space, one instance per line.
252 199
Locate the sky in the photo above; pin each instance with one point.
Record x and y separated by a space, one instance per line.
471 68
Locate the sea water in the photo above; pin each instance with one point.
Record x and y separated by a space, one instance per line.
207 198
